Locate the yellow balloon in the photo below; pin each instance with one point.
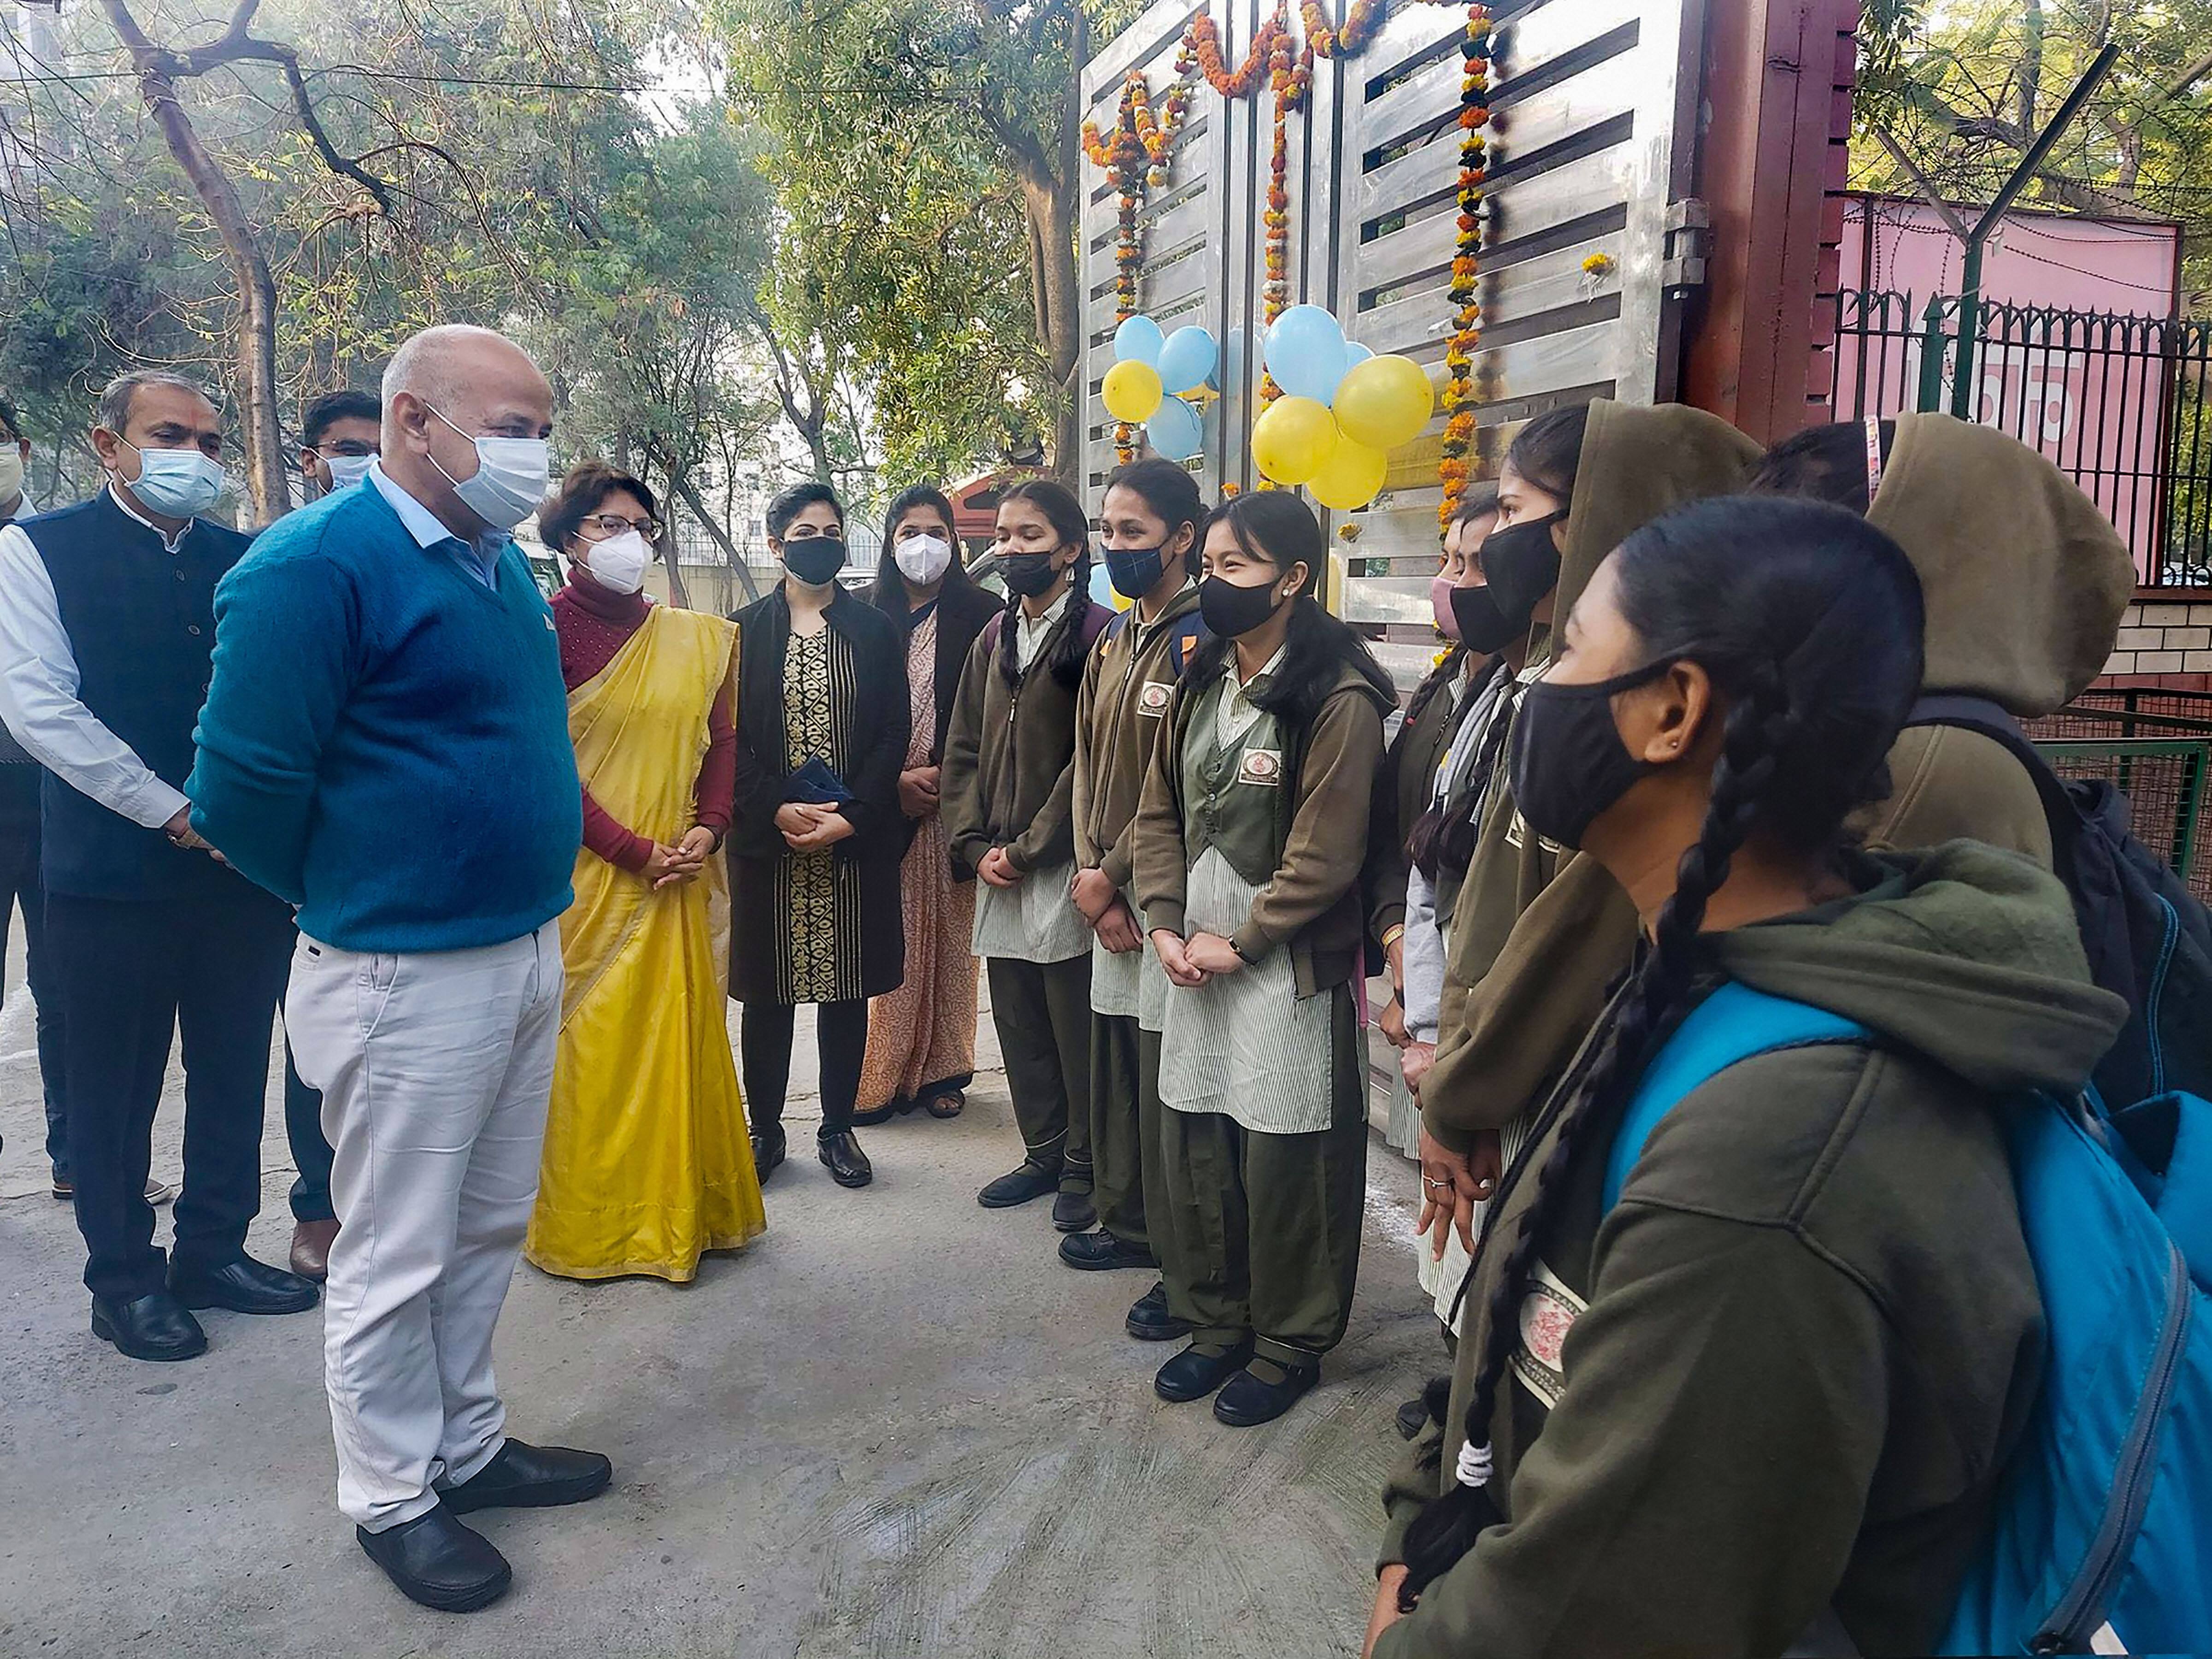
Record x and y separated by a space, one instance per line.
1384 402
1292 439
1131 391
1351 476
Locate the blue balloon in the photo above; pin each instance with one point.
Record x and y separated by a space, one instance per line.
1188 358
1305 352
1176 431
1354 353
1138 340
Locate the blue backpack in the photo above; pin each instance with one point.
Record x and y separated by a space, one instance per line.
2102 1541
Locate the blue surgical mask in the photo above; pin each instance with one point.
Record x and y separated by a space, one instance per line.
1135 571
176 483
512 477
348 469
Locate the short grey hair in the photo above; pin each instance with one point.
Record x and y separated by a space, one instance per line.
423 365
117 396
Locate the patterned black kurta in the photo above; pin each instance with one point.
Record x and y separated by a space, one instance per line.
817 927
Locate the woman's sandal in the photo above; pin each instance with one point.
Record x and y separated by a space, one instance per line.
947 1105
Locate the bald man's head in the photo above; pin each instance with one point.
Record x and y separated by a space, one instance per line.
445 388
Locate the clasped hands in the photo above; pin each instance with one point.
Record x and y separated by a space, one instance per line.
667 866
808 827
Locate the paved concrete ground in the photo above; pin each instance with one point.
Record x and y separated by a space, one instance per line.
895 1427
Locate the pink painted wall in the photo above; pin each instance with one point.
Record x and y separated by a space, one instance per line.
2093 398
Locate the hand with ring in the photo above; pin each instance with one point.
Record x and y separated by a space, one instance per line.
1452 1184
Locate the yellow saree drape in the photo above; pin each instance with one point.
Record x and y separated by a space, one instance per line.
646 1163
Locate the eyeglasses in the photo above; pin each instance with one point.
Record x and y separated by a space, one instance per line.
613 524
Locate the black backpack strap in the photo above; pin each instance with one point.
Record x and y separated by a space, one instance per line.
1990 719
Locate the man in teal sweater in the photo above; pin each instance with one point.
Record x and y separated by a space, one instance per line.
386 744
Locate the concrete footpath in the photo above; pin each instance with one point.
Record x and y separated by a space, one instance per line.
894 1427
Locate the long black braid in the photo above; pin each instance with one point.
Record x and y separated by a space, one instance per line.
1777 602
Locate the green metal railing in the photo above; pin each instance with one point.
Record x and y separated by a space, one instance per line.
2159 756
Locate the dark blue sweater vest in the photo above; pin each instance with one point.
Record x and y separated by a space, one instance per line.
141 623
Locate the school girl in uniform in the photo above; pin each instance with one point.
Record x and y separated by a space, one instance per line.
1006 784
1152 516
1250 846
1747 1383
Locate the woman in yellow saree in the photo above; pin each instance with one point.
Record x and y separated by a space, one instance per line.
647 1165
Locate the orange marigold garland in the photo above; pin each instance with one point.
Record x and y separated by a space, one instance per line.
1135 158
1359 26
1467 317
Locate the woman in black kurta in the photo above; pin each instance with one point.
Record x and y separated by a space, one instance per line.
814 883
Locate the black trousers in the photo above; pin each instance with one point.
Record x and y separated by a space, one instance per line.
840 1038
19 886
311 1153
208 969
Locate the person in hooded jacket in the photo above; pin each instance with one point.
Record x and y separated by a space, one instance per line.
1537 934
1152 514
1007 785
1251 843
2026 580
1752 1387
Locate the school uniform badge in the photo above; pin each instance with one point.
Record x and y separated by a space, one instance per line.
1261 767
1548 1311
1153 697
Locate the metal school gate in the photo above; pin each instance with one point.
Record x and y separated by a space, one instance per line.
1590 240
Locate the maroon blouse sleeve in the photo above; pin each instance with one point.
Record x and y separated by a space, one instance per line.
608 840
717 776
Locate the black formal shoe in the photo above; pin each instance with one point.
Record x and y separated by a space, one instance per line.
1032 1181
1412 1418
768 1152
841 1156
436 1561
153 1327
244 1286
521 1476
1149 1320
1247 1399
1095 1252
1194 1374
1073 1213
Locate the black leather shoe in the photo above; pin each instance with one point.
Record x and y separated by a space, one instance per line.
244 1286
1412 1418
1149 1320
768 1152
1193 1375
521 1476
1246 1399
847 1165
153 1327
436 1561
1073 1213
1095 1252
1032 1180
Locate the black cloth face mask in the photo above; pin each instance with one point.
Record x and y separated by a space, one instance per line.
1228 610
1520 565
815 560
1027 575
1568 764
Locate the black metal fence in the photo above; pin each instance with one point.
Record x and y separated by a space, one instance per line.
2117 402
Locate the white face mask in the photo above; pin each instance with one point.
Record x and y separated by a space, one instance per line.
618 563
348 469
922 559
11 472
511 478
175 483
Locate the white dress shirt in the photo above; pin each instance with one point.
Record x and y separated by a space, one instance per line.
39 700
1029 636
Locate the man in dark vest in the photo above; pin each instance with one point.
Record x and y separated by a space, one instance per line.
106 632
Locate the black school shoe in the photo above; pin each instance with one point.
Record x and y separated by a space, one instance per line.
153 1326
1247 1398
1032 1181
435 1561
243 1286
768 1152
1149 1320
1194 1374
1099 1251
1073 1213
521 1476
841 1156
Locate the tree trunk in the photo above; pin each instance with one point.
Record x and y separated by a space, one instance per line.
266 475
1051 207
689 495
